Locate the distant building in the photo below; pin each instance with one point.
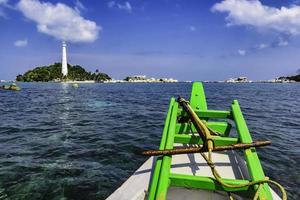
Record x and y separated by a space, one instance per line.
169 80
144 79
139 77
241 79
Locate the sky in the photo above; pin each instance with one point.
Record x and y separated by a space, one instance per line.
182 39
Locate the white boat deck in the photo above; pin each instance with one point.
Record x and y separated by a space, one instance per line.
229 165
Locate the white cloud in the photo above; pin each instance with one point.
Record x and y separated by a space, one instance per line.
262 46
59 20
3 2
79 6
2 13
282 43
254 13
192 28
126 6
111 4
242 52
21 43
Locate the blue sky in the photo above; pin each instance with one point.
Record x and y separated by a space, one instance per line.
183 39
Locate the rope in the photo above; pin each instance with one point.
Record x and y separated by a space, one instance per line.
217 176
251 183
208 143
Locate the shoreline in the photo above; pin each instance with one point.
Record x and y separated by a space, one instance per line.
137 82
126 82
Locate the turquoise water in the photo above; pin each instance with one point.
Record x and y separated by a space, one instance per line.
58 142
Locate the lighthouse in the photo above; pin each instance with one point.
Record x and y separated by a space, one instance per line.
64 62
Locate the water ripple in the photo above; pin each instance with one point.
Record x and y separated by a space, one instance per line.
58 142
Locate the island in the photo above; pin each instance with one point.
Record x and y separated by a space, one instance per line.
295 78
53 73
145 79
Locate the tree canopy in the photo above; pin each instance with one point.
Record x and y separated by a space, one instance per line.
53 72
294 78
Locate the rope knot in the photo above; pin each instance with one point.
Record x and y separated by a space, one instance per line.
211 164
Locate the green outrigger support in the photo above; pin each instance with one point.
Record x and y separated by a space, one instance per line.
178 132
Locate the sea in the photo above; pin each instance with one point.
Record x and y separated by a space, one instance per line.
60 142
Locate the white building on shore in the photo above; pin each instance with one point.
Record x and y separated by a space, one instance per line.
241 79
144 79
281 80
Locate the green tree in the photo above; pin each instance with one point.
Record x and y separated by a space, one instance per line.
52 72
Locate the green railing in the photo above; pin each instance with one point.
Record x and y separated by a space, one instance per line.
175 132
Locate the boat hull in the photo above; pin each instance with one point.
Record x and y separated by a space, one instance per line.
229 164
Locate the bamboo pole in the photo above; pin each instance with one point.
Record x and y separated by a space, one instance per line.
184 150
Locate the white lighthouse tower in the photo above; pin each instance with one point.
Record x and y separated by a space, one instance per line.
64 62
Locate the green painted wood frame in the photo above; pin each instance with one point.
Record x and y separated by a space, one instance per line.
174 132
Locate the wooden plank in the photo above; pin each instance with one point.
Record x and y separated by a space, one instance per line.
207 183
220 127
163 182
157 169
214 114
193 139
197 98
254 166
